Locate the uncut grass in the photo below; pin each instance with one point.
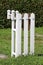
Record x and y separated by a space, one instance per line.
5 48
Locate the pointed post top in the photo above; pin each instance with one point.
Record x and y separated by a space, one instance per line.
13 11
8 11
17 11
8 14
32 16
25 16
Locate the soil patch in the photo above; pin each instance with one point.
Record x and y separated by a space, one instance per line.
2 56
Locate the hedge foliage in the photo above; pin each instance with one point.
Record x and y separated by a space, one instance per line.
35 6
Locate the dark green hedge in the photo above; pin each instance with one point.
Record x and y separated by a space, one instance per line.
35 6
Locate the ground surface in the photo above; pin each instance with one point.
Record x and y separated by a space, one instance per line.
5 48
2 56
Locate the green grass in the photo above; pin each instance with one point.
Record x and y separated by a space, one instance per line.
39 30
5 48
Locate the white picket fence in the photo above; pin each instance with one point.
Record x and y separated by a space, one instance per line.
16 37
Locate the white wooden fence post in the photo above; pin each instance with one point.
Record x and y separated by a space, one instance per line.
18 34
32 31
12 40
25 34
17 52
8 14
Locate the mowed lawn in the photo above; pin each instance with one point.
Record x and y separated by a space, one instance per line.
5 48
